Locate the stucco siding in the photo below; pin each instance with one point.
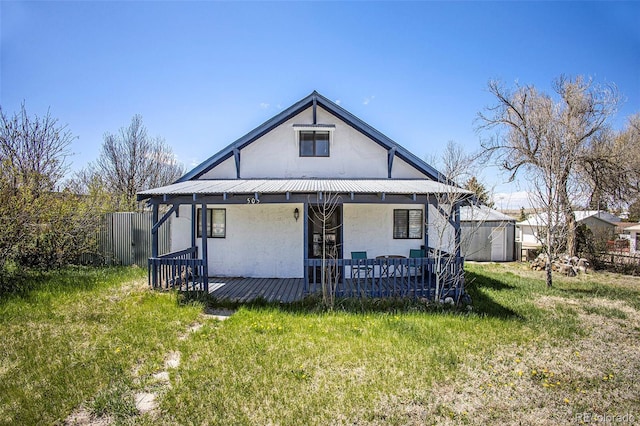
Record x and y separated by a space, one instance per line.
369 227
224 170
277 155
261 241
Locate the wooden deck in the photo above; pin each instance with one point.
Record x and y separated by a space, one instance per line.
247 289
288 290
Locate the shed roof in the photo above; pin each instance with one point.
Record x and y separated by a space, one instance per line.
304 186
483 214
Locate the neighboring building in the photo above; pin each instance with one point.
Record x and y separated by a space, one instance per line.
487 234
594 217
261 191
531 233
632 234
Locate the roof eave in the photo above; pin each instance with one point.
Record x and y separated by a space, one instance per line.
334 109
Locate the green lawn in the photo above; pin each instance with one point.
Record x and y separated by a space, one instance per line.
89 342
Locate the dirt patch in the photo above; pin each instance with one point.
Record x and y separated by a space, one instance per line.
145 402
219 314
542 382
172 360
83 417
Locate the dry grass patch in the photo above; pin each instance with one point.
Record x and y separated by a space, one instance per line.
545 381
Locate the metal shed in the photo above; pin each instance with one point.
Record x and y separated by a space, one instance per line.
487 235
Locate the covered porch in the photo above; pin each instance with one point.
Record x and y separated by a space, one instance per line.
434 274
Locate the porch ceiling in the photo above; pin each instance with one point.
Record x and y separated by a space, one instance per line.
303 186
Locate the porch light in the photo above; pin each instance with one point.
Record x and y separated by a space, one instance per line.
296 214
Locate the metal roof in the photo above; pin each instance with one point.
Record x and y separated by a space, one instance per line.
541 220
483 214
303 186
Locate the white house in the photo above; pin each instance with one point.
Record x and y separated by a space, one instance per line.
261 195
530 233
634 238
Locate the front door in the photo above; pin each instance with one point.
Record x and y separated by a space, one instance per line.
328 225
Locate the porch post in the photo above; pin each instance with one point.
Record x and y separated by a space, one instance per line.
426 227
194 225
154 235
154 245
456 227
205 253
305 249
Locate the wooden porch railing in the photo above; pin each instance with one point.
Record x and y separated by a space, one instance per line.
431 278
181 270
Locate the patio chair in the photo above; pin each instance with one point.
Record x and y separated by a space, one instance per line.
360 266
416 254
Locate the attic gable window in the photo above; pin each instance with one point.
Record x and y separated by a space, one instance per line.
314 144
314 140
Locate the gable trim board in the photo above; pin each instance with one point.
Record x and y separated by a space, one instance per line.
314 100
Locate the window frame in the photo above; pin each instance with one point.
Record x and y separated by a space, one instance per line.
315 143
211 224
408 235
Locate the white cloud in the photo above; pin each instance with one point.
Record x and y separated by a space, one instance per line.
337 101
368 99
264 105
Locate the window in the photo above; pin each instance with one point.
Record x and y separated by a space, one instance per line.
314 144
407 224
216 223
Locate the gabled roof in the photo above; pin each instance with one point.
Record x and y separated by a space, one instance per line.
538 220
314 99
600 214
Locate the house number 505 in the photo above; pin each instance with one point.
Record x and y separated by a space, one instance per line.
253 200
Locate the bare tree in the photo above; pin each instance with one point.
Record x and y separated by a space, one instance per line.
131 161
461 168
540 131
33 150
41 225
455 163
611 167
322 212
33 160
447 244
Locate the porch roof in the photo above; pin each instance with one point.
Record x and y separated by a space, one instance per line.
304 186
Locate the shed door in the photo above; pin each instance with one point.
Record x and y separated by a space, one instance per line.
498 244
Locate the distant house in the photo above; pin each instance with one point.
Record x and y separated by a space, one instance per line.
530 233
487 234
631 232
248 211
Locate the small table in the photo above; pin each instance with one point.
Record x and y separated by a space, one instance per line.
385 265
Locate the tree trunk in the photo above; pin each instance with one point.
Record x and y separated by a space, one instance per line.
569 217
549 258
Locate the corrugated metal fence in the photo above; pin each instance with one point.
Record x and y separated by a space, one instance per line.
125 239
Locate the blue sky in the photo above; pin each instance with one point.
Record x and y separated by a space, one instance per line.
204 73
